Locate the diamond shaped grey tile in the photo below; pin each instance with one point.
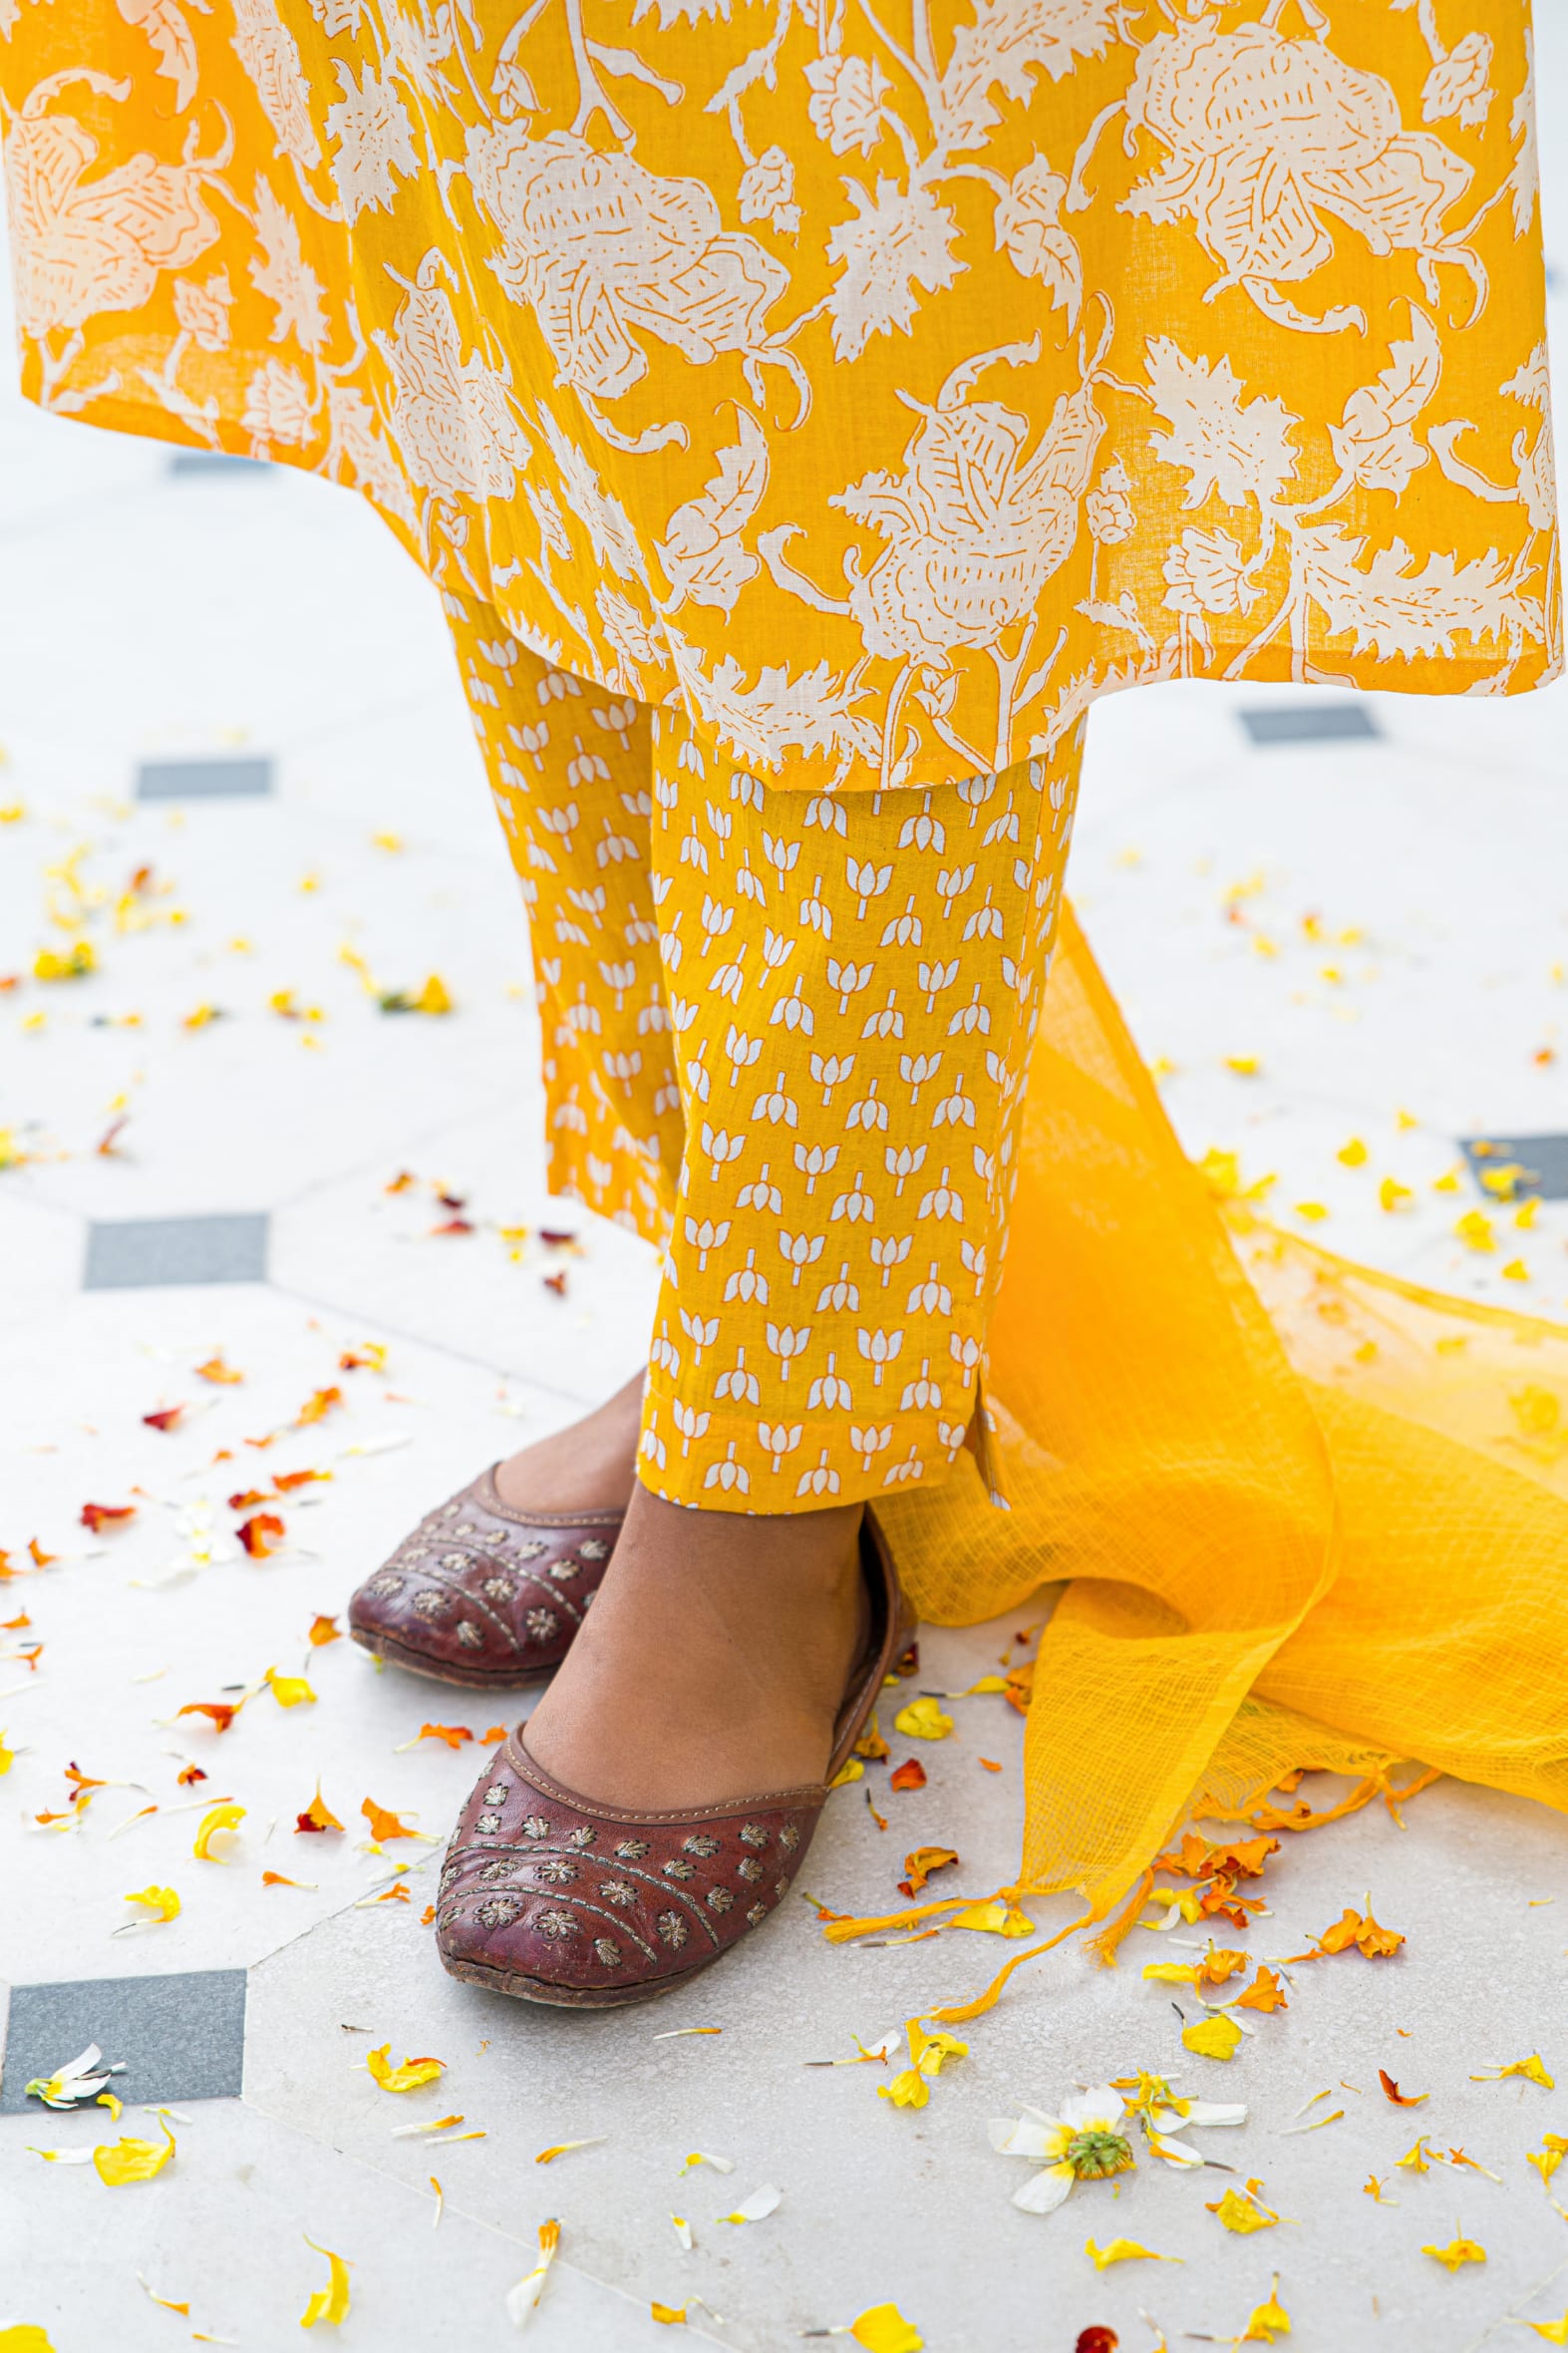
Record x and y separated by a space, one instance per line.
1301 722
1544 1159
216 779
139 1253
214 462
182 2037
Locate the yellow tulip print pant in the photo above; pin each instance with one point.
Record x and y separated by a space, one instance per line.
785 1034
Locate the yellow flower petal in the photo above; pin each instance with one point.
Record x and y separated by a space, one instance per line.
884 2329
907 2089
850 1770
671 2314
162 1901
25 2339
1125 2250
1171 1972
1533 2068
1269 2320
522 2299
1354 1153
1213 2038
1555 2332
931 2052
1458 2251
923 1720
1393 1196
1239 2213
1474 1230
408 2076
7 1757
995 1919
561 2148
329 2304
133 2161
289 1690
217 1819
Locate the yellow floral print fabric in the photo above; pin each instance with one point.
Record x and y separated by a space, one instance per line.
788 1035
875 386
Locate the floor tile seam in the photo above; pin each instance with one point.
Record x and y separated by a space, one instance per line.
382 2173
442 1348
482 1108
342 1174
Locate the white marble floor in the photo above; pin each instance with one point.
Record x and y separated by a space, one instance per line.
1381 923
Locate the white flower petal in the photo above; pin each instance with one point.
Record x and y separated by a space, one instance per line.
1215 2112
1099 2110
1044 2192
1026 2136
1175 2152
758 2206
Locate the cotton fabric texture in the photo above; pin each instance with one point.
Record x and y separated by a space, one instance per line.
851 398
879 385
787 1035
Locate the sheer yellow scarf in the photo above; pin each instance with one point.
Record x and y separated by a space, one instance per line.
1301 1513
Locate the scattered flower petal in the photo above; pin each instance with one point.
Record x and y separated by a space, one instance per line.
758 2206
124 2162
1458 2251
214 1823
408 2076
523 2300
318 1816
1213 2038
1533 2069
923 1719
884 2329
329 2304
161 1900
1125 2250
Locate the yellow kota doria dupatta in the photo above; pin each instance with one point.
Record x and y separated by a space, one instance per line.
1307 1514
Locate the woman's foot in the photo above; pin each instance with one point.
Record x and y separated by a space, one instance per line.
714 1662
591 1465
700 1724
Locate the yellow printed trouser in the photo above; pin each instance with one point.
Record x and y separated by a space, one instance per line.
786 1037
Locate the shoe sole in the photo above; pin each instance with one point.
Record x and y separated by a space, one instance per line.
551 1996
467 1679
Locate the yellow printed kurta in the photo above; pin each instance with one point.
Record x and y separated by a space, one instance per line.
876 386
788 1036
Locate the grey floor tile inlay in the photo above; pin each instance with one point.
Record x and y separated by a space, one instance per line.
214 462
182 2037
140 1253
219 778
1299 723
1544 1159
